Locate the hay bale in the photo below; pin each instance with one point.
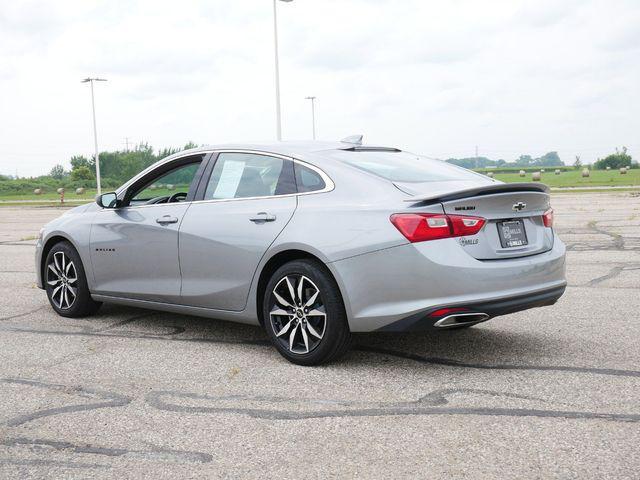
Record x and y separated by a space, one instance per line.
522 173
60 191
557 172
153 187
542 170
585 172
623 171
37 191
490 174
608 168
79 191
170 186
536 176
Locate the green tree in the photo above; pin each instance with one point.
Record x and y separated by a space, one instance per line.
82 173
615 160
57 172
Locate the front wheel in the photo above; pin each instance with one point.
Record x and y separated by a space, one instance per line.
66 283
304 314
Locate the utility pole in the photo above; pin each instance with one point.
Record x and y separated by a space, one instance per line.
476 156
313 115
126 141
277 69
95 132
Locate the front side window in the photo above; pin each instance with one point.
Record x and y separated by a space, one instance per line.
168 187
248 175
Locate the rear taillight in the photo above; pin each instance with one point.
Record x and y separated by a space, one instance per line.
547 218
419 227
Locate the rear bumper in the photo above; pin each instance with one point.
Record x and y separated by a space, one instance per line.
399 285
424 321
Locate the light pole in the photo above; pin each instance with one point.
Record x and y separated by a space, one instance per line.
95 132
313 114
275 38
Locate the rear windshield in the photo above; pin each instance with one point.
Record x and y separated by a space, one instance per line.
403 166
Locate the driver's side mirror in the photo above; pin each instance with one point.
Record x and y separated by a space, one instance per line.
107 200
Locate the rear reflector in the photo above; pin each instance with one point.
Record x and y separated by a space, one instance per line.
547 218
446 311
419 227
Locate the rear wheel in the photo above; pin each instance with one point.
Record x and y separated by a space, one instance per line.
66 283
304 314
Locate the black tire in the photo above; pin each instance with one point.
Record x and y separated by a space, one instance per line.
82 304
335 336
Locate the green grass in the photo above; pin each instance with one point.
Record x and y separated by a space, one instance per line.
88 195
573 178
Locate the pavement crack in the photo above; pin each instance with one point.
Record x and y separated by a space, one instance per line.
110 400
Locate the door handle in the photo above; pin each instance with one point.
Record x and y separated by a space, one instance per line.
166 220
262 217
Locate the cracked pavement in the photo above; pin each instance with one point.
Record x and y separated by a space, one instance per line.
129 393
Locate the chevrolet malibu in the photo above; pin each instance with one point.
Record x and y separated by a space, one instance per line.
313 241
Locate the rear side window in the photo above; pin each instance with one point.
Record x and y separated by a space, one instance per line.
307 179
247 175
403 166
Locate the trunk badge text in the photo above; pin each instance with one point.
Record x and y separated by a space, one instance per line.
518 207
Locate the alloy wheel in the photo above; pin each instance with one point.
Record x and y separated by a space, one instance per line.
62 277
298 317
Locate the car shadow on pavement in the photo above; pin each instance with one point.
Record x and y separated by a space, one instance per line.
490 343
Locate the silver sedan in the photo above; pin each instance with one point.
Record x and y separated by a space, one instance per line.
313 241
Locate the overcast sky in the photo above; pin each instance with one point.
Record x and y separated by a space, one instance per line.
433 77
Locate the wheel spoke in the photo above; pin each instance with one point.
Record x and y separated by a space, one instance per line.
72 280
315 313
56 290
279 311
53 268
284 329
53 283
313 331
312 299
73 291
281 300
292 337
56 262
66 296
69 267
305 338
291 291
300 282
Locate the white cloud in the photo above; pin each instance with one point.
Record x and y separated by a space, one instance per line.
512 77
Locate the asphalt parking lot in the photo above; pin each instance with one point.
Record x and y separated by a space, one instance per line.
549 392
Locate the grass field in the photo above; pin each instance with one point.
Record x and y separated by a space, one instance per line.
573 178
88 196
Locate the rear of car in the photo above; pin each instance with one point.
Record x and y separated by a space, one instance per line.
474 248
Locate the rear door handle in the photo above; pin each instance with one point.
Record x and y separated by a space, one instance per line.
166 220
262 217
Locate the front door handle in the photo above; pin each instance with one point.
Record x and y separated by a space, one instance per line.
167 219
262 217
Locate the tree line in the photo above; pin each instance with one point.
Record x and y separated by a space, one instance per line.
115 169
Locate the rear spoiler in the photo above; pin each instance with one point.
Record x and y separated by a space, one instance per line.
479 191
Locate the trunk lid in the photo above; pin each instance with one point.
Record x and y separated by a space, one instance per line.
513 212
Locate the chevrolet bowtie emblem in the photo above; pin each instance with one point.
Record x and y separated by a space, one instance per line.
519 206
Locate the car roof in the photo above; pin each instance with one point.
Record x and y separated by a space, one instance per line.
287 148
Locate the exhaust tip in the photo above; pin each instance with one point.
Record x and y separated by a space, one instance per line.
457 319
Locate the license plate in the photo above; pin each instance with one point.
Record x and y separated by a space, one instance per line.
512 233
